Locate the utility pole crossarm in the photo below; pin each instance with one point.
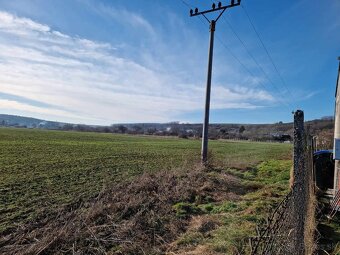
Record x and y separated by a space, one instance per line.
219 8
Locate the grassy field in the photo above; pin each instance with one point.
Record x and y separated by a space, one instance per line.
43 170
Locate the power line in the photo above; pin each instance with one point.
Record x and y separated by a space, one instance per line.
251 73
253 58
241 63
267 52
186 4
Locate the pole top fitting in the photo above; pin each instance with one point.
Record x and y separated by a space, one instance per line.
298 113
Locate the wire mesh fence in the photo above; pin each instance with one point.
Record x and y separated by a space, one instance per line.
287 229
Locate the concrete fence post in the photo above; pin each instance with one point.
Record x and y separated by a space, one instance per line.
299 180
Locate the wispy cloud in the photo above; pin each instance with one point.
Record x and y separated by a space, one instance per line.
126 17
88 81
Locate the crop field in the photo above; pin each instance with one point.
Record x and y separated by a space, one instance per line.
43 170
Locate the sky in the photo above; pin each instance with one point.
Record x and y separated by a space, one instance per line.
117 61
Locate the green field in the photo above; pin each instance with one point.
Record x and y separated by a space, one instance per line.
43 170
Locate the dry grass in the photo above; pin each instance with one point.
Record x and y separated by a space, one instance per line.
199 250
130 218
311 225
336 250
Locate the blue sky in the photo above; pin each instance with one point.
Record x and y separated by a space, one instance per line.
111 61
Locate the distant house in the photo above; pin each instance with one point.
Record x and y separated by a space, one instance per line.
159 132
190 131
42 124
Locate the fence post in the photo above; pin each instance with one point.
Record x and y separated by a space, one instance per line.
299 181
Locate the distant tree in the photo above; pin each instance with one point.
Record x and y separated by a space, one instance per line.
122 129
213 134
81 128
242 129
325 139
183 135
138 129
175 129
151 131
67 127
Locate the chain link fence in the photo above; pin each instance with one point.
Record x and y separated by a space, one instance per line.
290 227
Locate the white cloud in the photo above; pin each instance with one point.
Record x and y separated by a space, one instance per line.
54 114
20 25
93 84
125 17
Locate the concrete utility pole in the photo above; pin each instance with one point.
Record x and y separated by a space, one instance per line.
204 152
337 135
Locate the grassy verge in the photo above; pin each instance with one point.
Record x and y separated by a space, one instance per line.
233 221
